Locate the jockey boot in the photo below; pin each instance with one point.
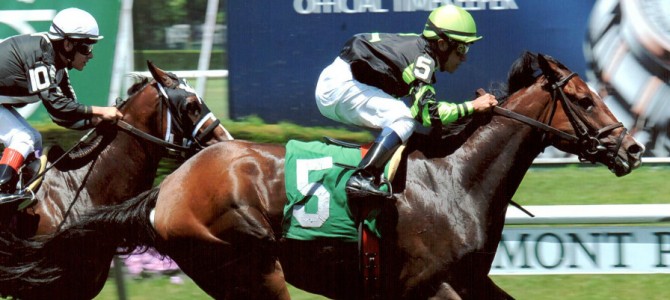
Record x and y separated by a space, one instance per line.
8 194
366 180
8 179
10 163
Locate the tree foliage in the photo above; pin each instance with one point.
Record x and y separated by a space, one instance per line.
150 18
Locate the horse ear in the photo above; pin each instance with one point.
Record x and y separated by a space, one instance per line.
160 76
546 67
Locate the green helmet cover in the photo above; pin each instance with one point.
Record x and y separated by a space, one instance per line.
455 22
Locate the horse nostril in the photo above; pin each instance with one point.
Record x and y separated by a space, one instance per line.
635 149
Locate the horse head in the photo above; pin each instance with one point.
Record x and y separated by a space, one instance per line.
185 122
582 124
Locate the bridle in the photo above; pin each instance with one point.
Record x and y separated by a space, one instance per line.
191 143
178 141
589 141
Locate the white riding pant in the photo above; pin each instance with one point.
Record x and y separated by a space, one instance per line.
16 133
342 98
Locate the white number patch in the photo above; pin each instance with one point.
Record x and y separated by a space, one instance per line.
303 166
39 78
423 68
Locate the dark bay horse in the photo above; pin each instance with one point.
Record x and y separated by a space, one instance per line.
219 215
119 162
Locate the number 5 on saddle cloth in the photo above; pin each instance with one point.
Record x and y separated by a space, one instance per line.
317 205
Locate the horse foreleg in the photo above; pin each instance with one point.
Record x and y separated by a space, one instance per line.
275 283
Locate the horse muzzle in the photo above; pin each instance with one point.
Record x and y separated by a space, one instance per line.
628 158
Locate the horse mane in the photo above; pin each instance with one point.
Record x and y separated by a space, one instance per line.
523 73
140 82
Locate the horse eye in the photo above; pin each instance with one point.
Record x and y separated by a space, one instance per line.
193 108
586 103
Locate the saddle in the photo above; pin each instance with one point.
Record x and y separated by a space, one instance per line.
318 211
368 241
393 164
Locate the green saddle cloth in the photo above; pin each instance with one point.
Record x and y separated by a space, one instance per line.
317 206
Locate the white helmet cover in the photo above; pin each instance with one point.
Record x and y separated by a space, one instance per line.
74 23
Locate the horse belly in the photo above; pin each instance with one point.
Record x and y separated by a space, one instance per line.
324 267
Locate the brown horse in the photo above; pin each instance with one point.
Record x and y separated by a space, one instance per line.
160 115
219 215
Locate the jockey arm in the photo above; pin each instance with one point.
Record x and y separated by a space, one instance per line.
425 108
64 109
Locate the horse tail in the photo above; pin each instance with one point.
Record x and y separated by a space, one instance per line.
60 261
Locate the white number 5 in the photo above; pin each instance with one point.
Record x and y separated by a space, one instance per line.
423 68
303 166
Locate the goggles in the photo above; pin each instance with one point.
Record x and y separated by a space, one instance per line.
84 49
462 48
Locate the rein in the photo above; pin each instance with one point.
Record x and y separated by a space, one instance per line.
173 148
145 136
123 125
532 122
591 145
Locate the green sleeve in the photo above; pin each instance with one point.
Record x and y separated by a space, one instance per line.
450 112
428 111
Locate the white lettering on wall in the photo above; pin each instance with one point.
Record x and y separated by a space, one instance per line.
305 7
19 19
582 250
338 6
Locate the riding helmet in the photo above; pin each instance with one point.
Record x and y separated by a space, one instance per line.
74 23
455 22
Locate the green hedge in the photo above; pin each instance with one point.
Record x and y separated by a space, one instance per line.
179 59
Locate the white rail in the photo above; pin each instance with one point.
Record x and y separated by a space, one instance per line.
194 73
574 160
590 214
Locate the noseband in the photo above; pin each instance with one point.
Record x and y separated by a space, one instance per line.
590 145
190 142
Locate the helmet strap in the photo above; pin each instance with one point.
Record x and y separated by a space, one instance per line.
59 31
442 33
438 31
69 55
443 55
451 44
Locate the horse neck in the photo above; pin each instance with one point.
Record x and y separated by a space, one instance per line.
487 169
130 161
503 151
125 166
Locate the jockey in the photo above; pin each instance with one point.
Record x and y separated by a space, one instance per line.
35 67
363 85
